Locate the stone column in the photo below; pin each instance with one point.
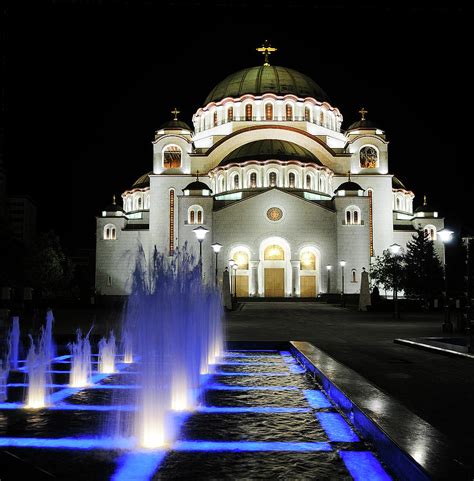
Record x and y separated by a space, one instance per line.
254 278
295 270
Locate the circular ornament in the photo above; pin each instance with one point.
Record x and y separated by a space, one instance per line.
274 214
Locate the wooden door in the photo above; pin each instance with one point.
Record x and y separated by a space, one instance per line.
242 286
274 282
308 286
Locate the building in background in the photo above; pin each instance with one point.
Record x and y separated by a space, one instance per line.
22 216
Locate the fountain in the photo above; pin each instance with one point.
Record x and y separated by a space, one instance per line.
174 320
127 344
107 350
3 380
50 348
39 377
81 369
14 342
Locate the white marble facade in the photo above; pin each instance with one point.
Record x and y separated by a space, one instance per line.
274 189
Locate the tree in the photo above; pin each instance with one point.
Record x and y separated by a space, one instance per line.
387 270
50 269
423 272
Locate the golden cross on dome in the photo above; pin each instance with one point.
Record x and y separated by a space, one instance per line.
349 175
266 49
113 199
175 112
362 112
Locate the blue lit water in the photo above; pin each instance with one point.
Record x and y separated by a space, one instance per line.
260 417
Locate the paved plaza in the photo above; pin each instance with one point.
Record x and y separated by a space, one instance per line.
438 388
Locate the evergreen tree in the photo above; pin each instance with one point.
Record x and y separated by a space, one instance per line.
387 270
423 272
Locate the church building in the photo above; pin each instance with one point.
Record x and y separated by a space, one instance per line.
268 171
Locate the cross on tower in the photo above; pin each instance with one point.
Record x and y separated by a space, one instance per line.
266 49
362 112
175 112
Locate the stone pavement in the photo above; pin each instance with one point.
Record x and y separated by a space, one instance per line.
438 388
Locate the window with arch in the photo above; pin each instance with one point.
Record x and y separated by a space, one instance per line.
430 232
322 184
214 118
110 232
398 203
289 112
253 180
147 201
171 157
129 204
236 181
307 260
352 215
353 275
269 111
230 114
321 117
272 179
195 215
139 203
248 112
368 157
274 253
291 180
307 114
308 181
241 258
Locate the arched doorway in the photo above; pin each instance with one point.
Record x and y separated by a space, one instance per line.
242 277
308 272
275 268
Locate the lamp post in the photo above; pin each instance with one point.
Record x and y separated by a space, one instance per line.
329 278
216 247
446 235
343 300
200 233
234 268
231 265
395 250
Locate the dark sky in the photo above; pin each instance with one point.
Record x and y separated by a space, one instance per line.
89 82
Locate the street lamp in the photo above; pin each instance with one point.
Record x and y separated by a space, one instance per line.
329 278
200 233
446 235
343 300
234 268
231 264
395 250
216 247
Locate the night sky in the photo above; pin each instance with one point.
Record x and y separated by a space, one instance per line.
89 82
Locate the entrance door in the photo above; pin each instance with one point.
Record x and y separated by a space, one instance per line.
274 282
242 286
308 286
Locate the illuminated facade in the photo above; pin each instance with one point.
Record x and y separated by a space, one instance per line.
282 186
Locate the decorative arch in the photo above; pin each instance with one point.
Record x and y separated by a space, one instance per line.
171 156
352 215
195 214
266 263
268 111
309 270
110 232
369 156
252 179
431 232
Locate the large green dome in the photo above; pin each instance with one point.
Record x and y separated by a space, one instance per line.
266 79
270 149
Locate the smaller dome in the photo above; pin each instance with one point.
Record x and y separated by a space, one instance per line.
197 185
175 125
113 207
143 181
397 183
425 208
363 124
349 187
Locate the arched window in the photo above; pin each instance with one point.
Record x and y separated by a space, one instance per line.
352 215
268 111
253 180
322 184
398 203
368 157
215 118
353 276
230 114
248 112
236 181
195 215
308 181
274 253
307 261
272 179
307 114
171 157
139 203
430 232
110 232
241 258
321 117
289 112
291 180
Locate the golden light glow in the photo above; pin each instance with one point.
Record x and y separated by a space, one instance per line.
241 259
308 261
274 253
